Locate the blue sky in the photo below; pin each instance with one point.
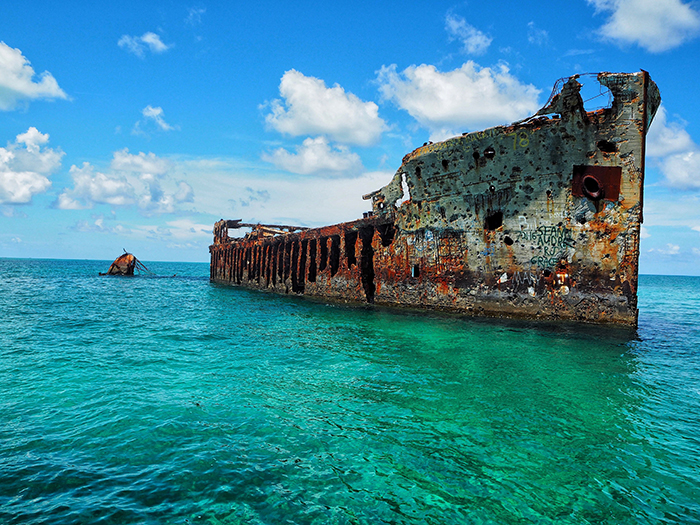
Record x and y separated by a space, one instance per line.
138 125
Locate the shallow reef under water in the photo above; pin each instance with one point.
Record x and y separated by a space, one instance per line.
174 400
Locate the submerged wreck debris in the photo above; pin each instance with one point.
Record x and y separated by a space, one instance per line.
539 219
125 264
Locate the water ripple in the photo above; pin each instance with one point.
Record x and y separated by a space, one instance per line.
171 400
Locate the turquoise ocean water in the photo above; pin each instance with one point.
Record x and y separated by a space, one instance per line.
168 399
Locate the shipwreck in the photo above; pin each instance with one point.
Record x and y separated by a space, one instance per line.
125 264
539 219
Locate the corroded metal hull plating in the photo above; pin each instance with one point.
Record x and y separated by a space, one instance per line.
539 219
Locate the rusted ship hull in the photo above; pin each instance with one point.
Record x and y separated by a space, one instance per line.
539 219
122 265
125 264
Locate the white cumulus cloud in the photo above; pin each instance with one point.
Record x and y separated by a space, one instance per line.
17 83
317 156
91 187
153 118
666 138
25 167
157 200
133 179
682 170
474 42
467 98
655 25
141 163
138 45
674 152
156 115
311 108
150 170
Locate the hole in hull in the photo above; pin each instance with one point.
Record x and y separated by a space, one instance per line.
335 254
367 262
592 188
606 146
494 221
324 254
415 271
312 261
350 242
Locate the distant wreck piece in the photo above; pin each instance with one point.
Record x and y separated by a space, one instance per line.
539 219
125 264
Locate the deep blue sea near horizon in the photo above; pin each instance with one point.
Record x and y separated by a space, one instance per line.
169 400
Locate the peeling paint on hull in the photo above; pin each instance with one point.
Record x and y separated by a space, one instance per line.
539 219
